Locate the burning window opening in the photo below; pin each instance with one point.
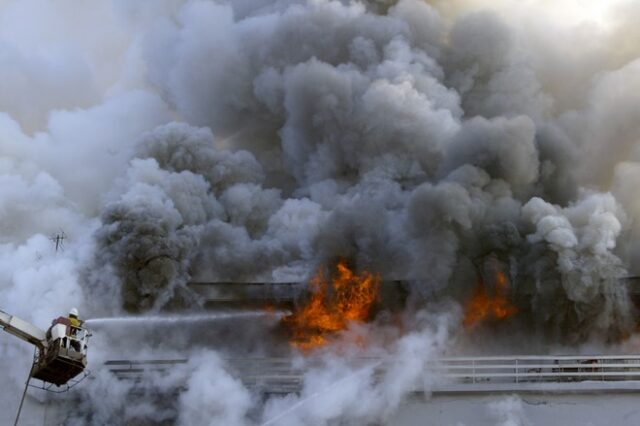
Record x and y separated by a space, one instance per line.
344 297
484 306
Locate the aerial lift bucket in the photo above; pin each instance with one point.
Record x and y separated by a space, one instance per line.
65 355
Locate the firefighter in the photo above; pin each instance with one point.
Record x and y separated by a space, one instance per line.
74 326
73 318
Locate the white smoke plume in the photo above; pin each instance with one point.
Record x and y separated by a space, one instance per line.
178 141
508 412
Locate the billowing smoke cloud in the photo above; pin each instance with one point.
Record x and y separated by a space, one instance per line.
508 412
181 141
405 140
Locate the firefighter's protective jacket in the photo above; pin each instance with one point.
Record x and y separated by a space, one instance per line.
75 322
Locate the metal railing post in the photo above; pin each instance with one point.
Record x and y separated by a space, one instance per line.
473 376
601 370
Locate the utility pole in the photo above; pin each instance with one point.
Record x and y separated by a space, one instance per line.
58 240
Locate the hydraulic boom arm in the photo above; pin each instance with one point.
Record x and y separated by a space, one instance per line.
22 329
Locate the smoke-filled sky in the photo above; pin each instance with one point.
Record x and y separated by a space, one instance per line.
252 140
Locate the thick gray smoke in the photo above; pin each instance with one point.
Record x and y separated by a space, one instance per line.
392 139
178 141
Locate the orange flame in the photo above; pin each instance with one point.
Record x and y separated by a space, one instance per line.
348 297
483 306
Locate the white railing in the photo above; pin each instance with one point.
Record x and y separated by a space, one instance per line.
527 369
279 375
